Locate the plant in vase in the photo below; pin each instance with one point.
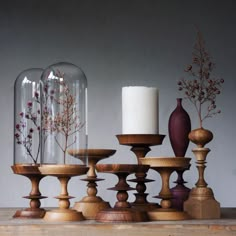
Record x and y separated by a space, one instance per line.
201 90
28 125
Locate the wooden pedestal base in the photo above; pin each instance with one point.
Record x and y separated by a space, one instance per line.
63 173
63 215
165 167
141 144
141 202
30 213
91 204
90 209
172 214
145 206
122 211
33 174
121 215
201 204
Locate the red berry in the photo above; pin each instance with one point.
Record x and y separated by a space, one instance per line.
29 104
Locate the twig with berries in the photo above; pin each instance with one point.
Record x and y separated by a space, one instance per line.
204 88
66 122
23 134
47 121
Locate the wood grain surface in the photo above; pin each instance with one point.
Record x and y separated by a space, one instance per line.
226 226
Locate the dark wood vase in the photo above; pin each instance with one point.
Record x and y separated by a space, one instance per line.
179 128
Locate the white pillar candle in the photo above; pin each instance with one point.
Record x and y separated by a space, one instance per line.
140 110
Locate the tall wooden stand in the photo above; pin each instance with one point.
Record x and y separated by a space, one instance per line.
122 211
165 167
91 204
33 174
63 173
201 203
141 144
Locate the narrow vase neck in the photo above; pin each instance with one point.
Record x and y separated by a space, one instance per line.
179 102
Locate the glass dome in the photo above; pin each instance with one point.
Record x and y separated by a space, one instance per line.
27 117
64 114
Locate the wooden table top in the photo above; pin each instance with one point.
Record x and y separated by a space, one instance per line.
37 227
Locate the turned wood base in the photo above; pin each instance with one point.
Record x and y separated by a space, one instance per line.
201 204
63 215
30 213
167 214
90 209
145 206
33 174
122 211
120 215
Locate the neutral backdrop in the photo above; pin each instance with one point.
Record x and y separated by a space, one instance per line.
120 43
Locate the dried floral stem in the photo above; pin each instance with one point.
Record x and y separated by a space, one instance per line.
27 118
204 87
66 121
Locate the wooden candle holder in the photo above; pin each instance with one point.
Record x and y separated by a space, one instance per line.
140 146
91 204
63 173
165 167
33 174
122 211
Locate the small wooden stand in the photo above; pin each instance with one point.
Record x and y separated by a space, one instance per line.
90 205
63 173
140 144
165 167
122 211
141 202
180 191
31 172
201 203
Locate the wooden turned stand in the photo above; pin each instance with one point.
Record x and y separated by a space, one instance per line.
141 202
180 191
122 211
63 173
201 203
140 144
165 167
91 204
31 172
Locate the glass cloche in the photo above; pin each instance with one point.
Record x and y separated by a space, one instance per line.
64 114
27 117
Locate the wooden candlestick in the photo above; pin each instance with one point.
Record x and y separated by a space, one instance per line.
33 174
201 203
140 146
165 167
91 204
63 173
122 211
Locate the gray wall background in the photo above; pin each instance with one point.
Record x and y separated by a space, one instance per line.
120 43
